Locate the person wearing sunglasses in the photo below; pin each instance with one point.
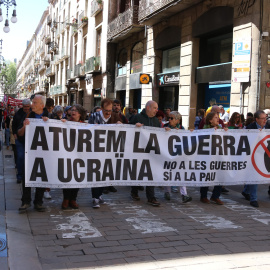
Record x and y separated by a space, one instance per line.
235 121
175 123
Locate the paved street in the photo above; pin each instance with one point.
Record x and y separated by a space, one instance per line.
132 235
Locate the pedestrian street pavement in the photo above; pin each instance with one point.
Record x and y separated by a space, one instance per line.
133 235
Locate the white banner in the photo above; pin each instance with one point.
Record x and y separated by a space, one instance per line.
69 155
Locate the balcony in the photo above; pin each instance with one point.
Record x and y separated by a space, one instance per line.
41 68
49 20
96 8
92 65
48 39
64 53
53 47
77 70
153 11
82 19
124 22
70 74
50 71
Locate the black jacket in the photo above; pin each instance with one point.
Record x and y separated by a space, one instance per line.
31 115
254 126
144 119
17 120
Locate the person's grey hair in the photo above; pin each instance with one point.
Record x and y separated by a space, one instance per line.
26 102
57 109
43 99
177 115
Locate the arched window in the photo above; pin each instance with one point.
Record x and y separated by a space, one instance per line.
137 58
122 62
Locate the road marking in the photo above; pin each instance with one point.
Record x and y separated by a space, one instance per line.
209 220
141 219
75 226
247 210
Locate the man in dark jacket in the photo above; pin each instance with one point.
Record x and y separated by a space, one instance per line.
105 116
38 112
20 114
250 191
147 118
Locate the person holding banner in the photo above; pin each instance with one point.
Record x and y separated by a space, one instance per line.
174 123
147 117
250 191
78 114
19 141
104 116
212 121
39 112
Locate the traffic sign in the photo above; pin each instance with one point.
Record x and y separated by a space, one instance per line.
145 78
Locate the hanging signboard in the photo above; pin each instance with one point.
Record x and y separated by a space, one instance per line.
241 60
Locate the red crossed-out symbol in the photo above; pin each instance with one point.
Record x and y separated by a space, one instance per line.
260 143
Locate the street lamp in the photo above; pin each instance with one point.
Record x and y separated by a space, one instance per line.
8 3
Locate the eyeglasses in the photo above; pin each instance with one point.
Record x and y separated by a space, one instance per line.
265 118
170 118
74 110
107 110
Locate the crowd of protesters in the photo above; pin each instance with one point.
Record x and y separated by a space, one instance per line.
14 121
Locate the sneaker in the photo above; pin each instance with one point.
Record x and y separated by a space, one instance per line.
254 204
40 208
153 202
217 201
135 197
24 206
247 196
186 198
204 200
101 200
175 190
224 190
47 195
112 189
96 203
167 196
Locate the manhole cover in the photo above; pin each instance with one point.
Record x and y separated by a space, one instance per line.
8 156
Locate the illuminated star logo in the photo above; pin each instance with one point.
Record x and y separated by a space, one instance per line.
161 80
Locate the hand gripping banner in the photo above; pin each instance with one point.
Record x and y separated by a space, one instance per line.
71 155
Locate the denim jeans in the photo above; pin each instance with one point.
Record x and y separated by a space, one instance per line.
7 134
252 191
20 158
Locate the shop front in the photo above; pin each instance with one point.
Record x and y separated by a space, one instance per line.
168 84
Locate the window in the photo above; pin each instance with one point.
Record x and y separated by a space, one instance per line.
122 61
137 58
171 60
98 42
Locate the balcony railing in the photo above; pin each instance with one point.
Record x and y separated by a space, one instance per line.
124 21
80 18
77 70
41 67
95 7
92 64
64 53
148 7
53 47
